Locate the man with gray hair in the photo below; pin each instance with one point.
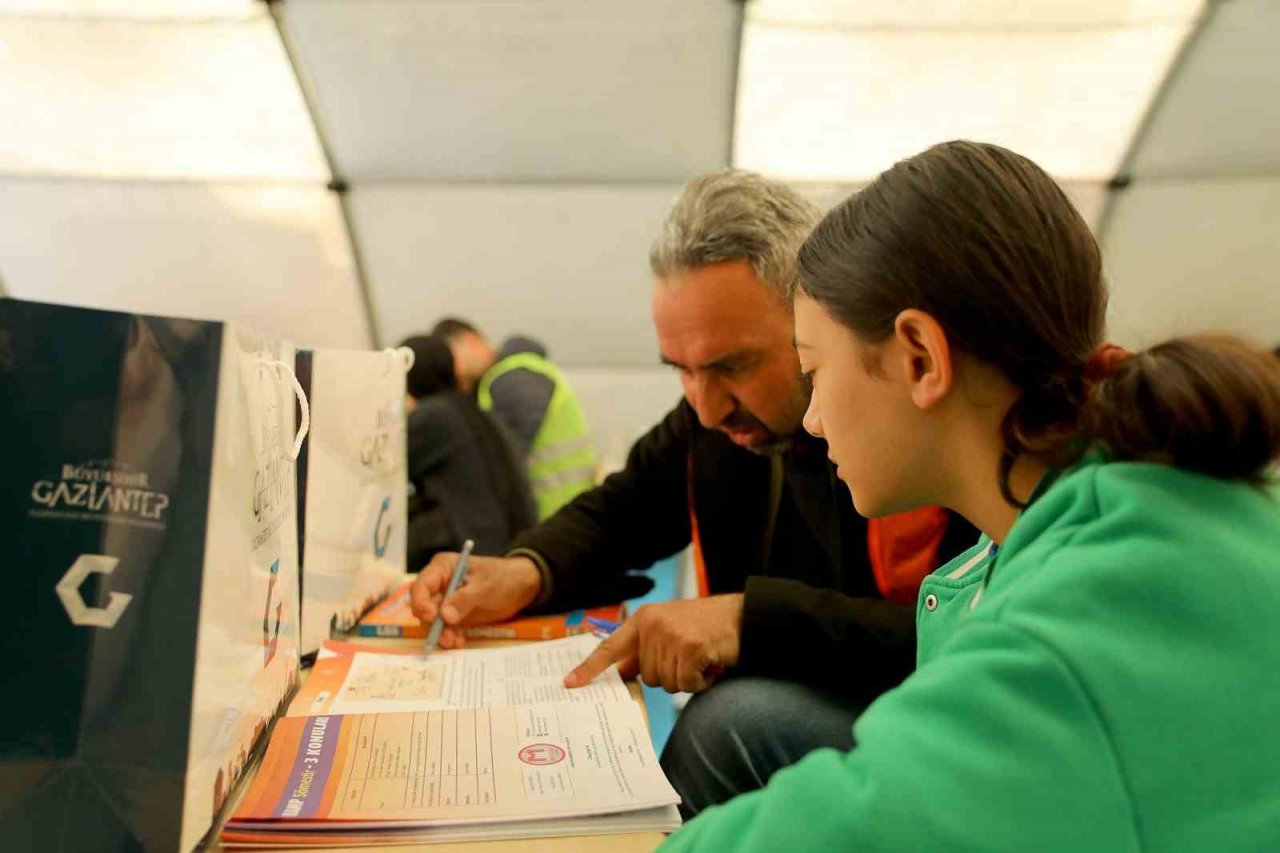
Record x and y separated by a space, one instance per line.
794 632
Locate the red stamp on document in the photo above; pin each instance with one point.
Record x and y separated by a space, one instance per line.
541 754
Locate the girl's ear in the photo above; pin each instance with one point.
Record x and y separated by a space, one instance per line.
929 366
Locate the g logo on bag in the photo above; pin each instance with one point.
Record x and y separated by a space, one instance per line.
380 544
68 590
271 637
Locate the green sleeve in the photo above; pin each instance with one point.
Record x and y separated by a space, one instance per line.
995 746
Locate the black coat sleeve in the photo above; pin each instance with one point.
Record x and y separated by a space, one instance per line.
857 647
431 437
635 517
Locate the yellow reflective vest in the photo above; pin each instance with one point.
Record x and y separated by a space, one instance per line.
562 459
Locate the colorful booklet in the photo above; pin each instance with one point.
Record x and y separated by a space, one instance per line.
395 748
454 766
662 819
394 618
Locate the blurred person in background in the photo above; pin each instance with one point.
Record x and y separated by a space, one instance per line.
467 480
529 395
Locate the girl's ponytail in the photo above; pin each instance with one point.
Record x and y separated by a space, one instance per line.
1207 404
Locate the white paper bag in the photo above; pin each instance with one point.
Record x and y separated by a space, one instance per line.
352 486
248 650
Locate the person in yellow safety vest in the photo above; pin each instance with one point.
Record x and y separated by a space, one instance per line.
529 396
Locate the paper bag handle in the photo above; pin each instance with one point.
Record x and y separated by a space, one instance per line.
302 403
403 356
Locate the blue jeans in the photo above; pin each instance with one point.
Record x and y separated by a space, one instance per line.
730 739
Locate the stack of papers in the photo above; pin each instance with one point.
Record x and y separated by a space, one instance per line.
464 745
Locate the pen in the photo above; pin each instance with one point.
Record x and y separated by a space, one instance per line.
603 627
459 572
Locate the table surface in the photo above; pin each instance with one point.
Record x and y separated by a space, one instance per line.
631 842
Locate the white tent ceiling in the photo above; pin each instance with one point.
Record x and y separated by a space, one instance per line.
840 90
1192 241
496 91
164 99
509 161
345 172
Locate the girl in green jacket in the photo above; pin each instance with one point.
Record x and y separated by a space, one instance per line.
1102 671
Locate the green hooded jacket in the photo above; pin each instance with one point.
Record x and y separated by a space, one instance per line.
1108 680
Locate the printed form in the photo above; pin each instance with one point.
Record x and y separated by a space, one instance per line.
458 766
367 683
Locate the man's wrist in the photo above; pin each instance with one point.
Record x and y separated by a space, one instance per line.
544 588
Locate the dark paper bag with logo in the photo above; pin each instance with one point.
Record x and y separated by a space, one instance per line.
148 553
352 482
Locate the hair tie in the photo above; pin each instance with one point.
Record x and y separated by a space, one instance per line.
1103 361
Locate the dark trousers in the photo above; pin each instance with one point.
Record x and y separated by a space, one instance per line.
731 738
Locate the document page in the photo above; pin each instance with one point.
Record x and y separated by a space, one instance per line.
366 683
457 766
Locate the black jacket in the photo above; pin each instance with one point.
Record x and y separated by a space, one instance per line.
812 610
468 482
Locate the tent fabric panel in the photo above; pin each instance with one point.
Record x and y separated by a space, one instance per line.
567 264
1220 115
1190 256
833 105
520 90
121 99
139 9
273 257
973 14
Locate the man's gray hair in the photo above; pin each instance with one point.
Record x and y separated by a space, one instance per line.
735 216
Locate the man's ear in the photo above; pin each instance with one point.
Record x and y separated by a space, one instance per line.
928 353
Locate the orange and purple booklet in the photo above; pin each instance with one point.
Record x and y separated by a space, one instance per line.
393 618
539 768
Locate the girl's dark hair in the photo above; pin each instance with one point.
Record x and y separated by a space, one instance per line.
986 243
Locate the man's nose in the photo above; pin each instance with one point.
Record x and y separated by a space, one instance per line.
710 399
